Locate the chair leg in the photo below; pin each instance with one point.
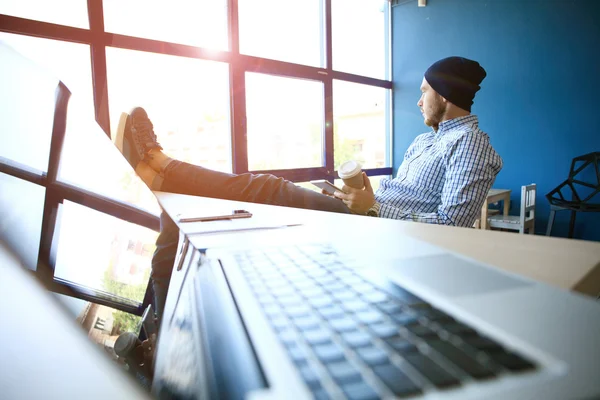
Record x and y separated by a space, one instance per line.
550 222
572 223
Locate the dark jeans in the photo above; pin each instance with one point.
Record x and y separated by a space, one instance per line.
180 177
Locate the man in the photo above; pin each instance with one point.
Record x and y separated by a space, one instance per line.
443 179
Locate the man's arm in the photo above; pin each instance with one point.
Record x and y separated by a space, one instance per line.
471 167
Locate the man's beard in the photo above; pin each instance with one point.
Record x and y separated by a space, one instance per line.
437 115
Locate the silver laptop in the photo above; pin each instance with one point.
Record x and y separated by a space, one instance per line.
391 318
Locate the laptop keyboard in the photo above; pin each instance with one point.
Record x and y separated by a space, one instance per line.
349 336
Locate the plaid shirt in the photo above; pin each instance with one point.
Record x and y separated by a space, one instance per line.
444 178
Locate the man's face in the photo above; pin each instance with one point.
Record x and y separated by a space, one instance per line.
432 105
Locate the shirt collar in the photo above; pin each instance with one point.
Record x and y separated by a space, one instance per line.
455 123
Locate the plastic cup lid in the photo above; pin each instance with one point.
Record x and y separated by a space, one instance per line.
349 169
125 343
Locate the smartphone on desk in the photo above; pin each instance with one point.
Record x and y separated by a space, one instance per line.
326 186
214 215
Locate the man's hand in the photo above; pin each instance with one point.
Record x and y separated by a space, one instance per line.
358 201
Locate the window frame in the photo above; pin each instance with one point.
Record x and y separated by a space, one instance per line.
98 40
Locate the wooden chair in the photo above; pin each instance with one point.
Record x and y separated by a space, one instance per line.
522 222
491 211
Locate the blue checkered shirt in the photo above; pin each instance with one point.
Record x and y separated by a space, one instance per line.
444 178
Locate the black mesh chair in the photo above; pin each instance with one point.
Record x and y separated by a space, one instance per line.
579 193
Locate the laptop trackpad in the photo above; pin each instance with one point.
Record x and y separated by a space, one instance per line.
452 276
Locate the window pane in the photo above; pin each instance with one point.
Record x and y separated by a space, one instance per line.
285 30
91 161
186 99
360 124
104 324
360 37
103 252
54 11
26 89
285 122
21 211
195 22
70 62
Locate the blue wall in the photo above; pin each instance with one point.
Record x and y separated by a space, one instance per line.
540 102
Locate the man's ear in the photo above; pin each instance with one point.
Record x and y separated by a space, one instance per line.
444 100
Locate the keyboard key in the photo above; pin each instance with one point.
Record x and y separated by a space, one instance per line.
266 299
390 307
291 301
343 273
319 301
336 287
343 372
404 319
343 324
317 336
318 274
279 323
401 345
326 280
461 359
272 310
304 283
280 287
359 391
310 377
396 380
344 295
297 354
384 330
361 287
331 312
372 355
355 305
287 336
329 352
357 338
306 322
428 368
353 280
295 311
320 394
376 297
368 317
511 361
312 292
421 331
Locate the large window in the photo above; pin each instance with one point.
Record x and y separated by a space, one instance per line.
285 122
286 87
283 30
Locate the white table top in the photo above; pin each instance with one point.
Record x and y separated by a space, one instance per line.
565 263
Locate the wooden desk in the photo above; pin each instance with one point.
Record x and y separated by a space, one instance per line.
565 263
494 196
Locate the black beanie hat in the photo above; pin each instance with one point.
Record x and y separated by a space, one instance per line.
456 79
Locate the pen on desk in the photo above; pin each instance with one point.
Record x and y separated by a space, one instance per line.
224 217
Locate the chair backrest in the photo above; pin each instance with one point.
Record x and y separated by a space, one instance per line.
528 193
581 190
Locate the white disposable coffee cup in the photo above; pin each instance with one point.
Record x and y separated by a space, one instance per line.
351 174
